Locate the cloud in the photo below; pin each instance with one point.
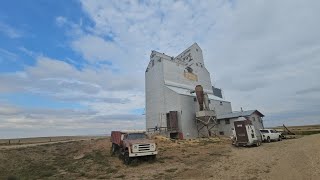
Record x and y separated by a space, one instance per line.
98 89
260 53
94 48
264 54
6 55
60 20
308 90
63 120
10 31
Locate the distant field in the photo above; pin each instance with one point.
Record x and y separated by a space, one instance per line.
36 140
302 130
214 158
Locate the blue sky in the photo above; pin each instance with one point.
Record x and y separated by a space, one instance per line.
77 67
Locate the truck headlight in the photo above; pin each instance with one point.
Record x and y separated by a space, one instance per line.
135 146
152 146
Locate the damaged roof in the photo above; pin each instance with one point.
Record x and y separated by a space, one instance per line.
239 114
186 92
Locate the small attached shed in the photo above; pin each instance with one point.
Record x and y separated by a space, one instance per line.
226 121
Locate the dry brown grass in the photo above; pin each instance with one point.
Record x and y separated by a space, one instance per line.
195 159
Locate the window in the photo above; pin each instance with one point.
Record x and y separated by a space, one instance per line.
253 119
136 136
264 131
209 101
218 121
221 103
195 99
252 135
221 133
227 121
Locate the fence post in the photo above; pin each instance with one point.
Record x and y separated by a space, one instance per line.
9 141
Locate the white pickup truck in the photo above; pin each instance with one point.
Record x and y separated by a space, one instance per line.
269 135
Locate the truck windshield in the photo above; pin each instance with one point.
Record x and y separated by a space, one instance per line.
136 136
264 131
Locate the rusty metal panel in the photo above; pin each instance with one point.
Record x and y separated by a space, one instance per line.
190 76
241 131
172 120
200 96
116 137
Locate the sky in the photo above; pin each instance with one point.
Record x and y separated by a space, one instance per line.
77 67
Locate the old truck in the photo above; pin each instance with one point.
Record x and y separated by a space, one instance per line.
130 144
245 134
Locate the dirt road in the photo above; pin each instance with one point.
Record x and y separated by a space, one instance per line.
290 159
90 159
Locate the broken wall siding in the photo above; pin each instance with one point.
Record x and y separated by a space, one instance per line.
221 107
256 123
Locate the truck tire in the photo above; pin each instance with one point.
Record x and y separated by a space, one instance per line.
152 158
113 149
268 139
258 144
280 138
126 158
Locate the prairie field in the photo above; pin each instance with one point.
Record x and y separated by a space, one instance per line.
89 158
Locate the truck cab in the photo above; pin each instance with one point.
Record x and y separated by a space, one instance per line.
132 144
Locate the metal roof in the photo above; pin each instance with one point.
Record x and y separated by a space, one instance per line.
239 114
186 92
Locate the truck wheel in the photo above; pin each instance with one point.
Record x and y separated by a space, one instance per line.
280 139
152 158
258 144
126 158
113 149
268 139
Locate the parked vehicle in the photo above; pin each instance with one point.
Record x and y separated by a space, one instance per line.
130 144
269 135
245 134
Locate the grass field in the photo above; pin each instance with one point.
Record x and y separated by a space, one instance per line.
302 130
36 140
200 159
89 158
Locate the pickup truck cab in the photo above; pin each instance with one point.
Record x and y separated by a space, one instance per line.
269 135
132 144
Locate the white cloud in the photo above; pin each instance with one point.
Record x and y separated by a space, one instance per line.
60 20
6 55
94 48
10 31
99 89
259 52
264 54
